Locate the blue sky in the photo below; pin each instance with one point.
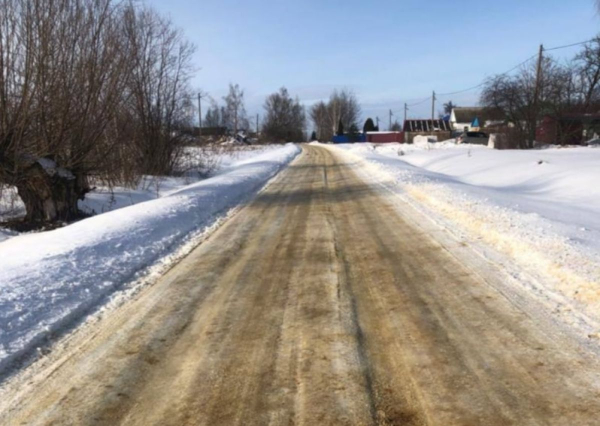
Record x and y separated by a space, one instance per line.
388 52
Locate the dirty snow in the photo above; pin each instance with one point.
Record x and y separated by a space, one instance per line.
51 280
540 207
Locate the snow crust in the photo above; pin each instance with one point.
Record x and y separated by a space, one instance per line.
50 280
539 207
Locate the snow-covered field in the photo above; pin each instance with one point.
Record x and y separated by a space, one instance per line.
541 207
51 280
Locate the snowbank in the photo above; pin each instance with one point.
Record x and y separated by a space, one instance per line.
424 140
559 184
50 280
196 165
541 208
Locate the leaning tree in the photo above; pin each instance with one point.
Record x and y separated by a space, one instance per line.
90 91
62 76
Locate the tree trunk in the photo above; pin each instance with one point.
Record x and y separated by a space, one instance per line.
51 196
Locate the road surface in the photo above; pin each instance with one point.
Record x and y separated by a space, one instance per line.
317 304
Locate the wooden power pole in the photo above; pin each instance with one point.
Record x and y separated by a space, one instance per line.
201 96
536 96
433 99
538 75
405 114
200 114
391 115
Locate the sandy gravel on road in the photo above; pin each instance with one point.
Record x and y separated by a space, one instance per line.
317 304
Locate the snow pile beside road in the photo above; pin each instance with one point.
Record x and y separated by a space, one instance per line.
197 164
51 280
539 207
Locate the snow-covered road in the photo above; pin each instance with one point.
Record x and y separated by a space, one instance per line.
327 300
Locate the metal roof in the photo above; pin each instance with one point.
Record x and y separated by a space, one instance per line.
426 126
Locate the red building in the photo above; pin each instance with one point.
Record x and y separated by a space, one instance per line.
385 137
570 129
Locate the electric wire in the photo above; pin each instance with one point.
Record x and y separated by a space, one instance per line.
570 45
502 74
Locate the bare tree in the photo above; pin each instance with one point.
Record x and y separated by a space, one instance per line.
285 118
342 107
159 89
320 117
587 67
235 111
515 96
90 91
566 88
213 115
62 76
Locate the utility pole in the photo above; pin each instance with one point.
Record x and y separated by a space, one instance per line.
536 97
257 131
538 76
200 97
391 115
377 118
433 99
200 114
405 114
235 122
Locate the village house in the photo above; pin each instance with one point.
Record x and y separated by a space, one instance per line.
440 129
473 119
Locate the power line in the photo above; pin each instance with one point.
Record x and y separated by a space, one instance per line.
502 74
471 88
570 45
462 91
420 102
519 65
483 82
